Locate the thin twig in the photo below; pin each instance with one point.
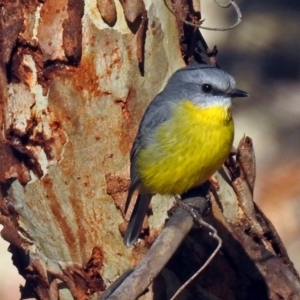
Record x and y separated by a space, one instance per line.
214 234
230 3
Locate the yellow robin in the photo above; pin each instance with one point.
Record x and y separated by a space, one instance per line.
184 137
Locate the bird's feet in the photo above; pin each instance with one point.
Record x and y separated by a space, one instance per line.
214 184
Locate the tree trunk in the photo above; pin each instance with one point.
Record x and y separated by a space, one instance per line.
75 79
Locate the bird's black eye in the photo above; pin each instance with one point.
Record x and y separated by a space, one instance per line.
206 88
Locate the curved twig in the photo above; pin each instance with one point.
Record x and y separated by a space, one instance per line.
230 3
214 234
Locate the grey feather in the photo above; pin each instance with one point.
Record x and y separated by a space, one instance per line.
137 218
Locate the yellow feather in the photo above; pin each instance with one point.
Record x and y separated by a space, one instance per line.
187 149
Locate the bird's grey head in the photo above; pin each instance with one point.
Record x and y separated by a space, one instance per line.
205 85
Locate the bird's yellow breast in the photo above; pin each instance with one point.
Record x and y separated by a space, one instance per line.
187 149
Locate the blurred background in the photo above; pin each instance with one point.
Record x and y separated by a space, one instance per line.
262 53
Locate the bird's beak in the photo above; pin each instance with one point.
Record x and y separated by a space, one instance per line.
237 93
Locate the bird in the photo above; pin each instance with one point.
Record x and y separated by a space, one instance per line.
184 137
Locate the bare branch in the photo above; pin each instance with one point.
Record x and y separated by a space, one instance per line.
159 254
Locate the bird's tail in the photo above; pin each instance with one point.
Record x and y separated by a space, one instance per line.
137 218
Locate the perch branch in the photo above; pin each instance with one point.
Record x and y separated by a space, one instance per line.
159 254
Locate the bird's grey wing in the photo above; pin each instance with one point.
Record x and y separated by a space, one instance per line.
157 113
